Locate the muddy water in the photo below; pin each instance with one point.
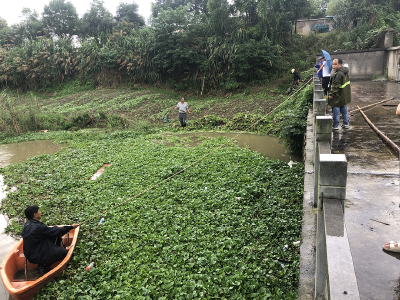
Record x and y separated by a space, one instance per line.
9 154
265 144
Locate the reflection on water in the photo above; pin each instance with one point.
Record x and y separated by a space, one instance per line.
14 153
9 154
265 144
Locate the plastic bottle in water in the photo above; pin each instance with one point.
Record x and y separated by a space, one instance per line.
89 266
101 221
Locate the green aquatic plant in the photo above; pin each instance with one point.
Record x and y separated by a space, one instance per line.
216 230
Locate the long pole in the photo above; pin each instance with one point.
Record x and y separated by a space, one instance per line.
370 105
380 133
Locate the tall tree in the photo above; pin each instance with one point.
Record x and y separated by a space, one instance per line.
219 17
3 23
97 21
196 6
129 13
31 26
248 11
61 17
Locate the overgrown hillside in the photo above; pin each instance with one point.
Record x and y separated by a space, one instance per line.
199 46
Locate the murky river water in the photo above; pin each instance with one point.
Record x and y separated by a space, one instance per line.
267 145
9 154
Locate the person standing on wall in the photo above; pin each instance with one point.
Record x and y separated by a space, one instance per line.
325 76
183 107
318 67
339 93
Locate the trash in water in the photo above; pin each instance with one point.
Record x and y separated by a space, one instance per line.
89 266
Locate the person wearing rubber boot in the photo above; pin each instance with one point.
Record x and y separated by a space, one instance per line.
339 94
40 241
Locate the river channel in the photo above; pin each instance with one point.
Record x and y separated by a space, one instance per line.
18 152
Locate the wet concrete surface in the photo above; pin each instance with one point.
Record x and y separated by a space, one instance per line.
372 189
9 154
265 144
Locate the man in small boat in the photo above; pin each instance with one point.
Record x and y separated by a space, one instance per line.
41 243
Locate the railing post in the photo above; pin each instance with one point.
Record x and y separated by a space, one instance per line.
319 107
322 140
332 177
318 93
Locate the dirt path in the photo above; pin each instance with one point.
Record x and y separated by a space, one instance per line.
372 189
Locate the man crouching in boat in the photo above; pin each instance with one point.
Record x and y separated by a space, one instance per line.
40 241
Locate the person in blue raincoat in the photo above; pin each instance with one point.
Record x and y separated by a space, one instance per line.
318 67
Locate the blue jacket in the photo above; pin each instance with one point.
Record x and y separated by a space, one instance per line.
318 65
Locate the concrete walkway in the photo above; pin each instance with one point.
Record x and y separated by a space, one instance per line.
372 189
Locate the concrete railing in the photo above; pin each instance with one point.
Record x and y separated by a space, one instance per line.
334 276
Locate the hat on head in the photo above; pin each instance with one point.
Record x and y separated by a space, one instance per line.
320 58
293 70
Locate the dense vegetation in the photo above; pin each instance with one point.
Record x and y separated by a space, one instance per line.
200 45
146 109
218 230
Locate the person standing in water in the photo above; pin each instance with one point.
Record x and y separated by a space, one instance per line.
183 107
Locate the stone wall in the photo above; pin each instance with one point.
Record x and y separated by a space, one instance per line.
393 63
363 64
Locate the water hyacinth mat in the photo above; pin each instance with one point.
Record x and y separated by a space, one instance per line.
218 230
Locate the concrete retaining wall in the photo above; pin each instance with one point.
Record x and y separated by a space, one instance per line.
393 63
364 64
326 264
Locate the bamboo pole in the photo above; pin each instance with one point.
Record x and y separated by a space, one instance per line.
370 105
380 133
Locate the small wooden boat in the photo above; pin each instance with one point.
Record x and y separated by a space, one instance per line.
19 275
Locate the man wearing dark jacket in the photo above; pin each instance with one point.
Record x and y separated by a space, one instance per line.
339 94
296 77
39 240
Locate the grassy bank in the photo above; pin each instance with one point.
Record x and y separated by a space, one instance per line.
217 230
146 109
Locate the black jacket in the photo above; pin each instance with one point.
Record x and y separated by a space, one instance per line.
296 75
39 246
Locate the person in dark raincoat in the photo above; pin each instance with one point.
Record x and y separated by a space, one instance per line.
296 77
40 240
339 93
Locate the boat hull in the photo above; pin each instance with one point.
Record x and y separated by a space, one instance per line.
15 261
